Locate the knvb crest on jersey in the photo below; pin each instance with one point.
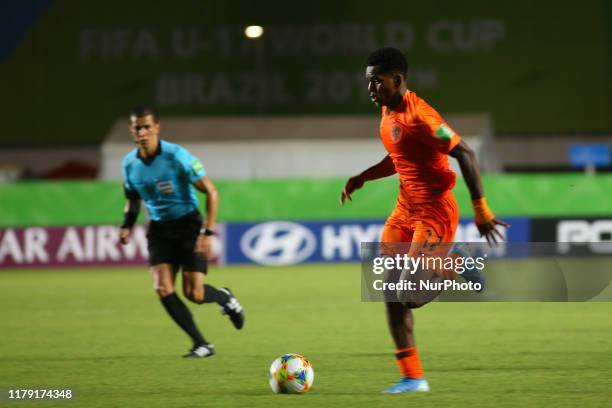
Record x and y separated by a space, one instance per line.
396 133
278 243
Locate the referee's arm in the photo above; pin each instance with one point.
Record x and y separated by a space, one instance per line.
130 215
206 186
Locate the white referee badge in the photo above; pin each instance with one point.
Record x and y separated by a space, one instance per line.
165 187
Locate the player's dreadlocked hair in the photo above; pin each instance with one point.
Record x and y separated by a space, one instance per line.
389 60
141 111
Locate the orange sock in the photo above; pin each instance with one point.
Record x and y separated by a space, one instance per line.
409 363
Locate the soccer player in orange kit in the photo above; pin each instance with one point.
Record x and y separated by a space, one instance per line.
418 142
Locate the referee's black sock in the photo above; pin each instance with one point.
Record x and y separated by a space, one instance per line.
212 294
182 316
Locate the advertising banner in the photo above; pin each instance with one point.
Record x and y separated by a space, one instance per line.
286 243
576 236
94 245
283 242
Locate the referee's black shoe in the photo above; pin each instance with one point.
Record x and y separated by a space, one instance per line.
201 351
233 309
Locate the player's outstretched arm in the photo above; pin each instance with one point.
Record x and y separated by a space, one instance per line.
206 186
130 215
384 168
486 221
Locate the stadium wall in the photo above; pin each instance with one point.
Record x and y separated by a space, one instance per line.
90 203
290 221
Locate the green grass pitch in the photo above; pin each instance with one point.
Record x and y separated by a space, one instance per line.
103 333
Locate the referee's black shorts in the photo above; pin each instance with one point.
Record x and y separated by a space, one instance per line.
173 242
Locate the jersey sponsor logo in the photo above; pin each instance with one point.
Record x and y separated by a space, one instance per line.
444 133
396 133
196 165
165 187
278 243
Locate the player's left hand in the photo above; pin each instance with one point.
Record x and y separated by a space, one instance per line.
490 230
203 244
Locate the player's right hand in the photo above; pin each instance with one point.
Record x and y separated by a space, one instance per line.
352 184
124 235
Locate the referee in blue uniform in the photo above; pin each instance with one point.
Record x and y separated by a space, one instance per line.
164 175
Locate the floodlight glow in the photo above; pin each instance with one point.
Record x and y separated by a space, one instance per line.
254 31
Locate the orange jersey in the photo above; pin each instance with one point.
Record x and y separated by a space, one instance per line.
418 141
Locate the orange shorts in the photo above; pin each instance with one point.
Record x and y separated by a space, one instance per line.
431 222
424 229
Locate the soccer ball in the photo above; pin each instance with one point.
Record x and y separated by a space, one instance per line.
291 374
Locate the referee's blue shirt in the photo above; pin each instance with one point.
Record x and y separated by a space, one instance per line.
164 181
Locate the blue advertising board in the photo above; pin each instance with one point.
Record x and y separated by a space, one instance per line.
291 242
589 155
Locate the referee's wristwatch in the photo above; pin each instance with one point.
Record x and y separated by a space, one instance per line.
206 232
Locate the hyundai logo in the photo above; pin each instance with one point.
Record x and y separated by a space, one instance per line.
278 243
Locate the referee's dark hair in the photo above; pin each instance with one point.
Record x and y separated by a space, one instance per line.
389 60
141 111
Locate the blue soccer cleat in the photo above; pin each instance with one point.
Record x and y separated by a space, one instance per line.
473 274
408 385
